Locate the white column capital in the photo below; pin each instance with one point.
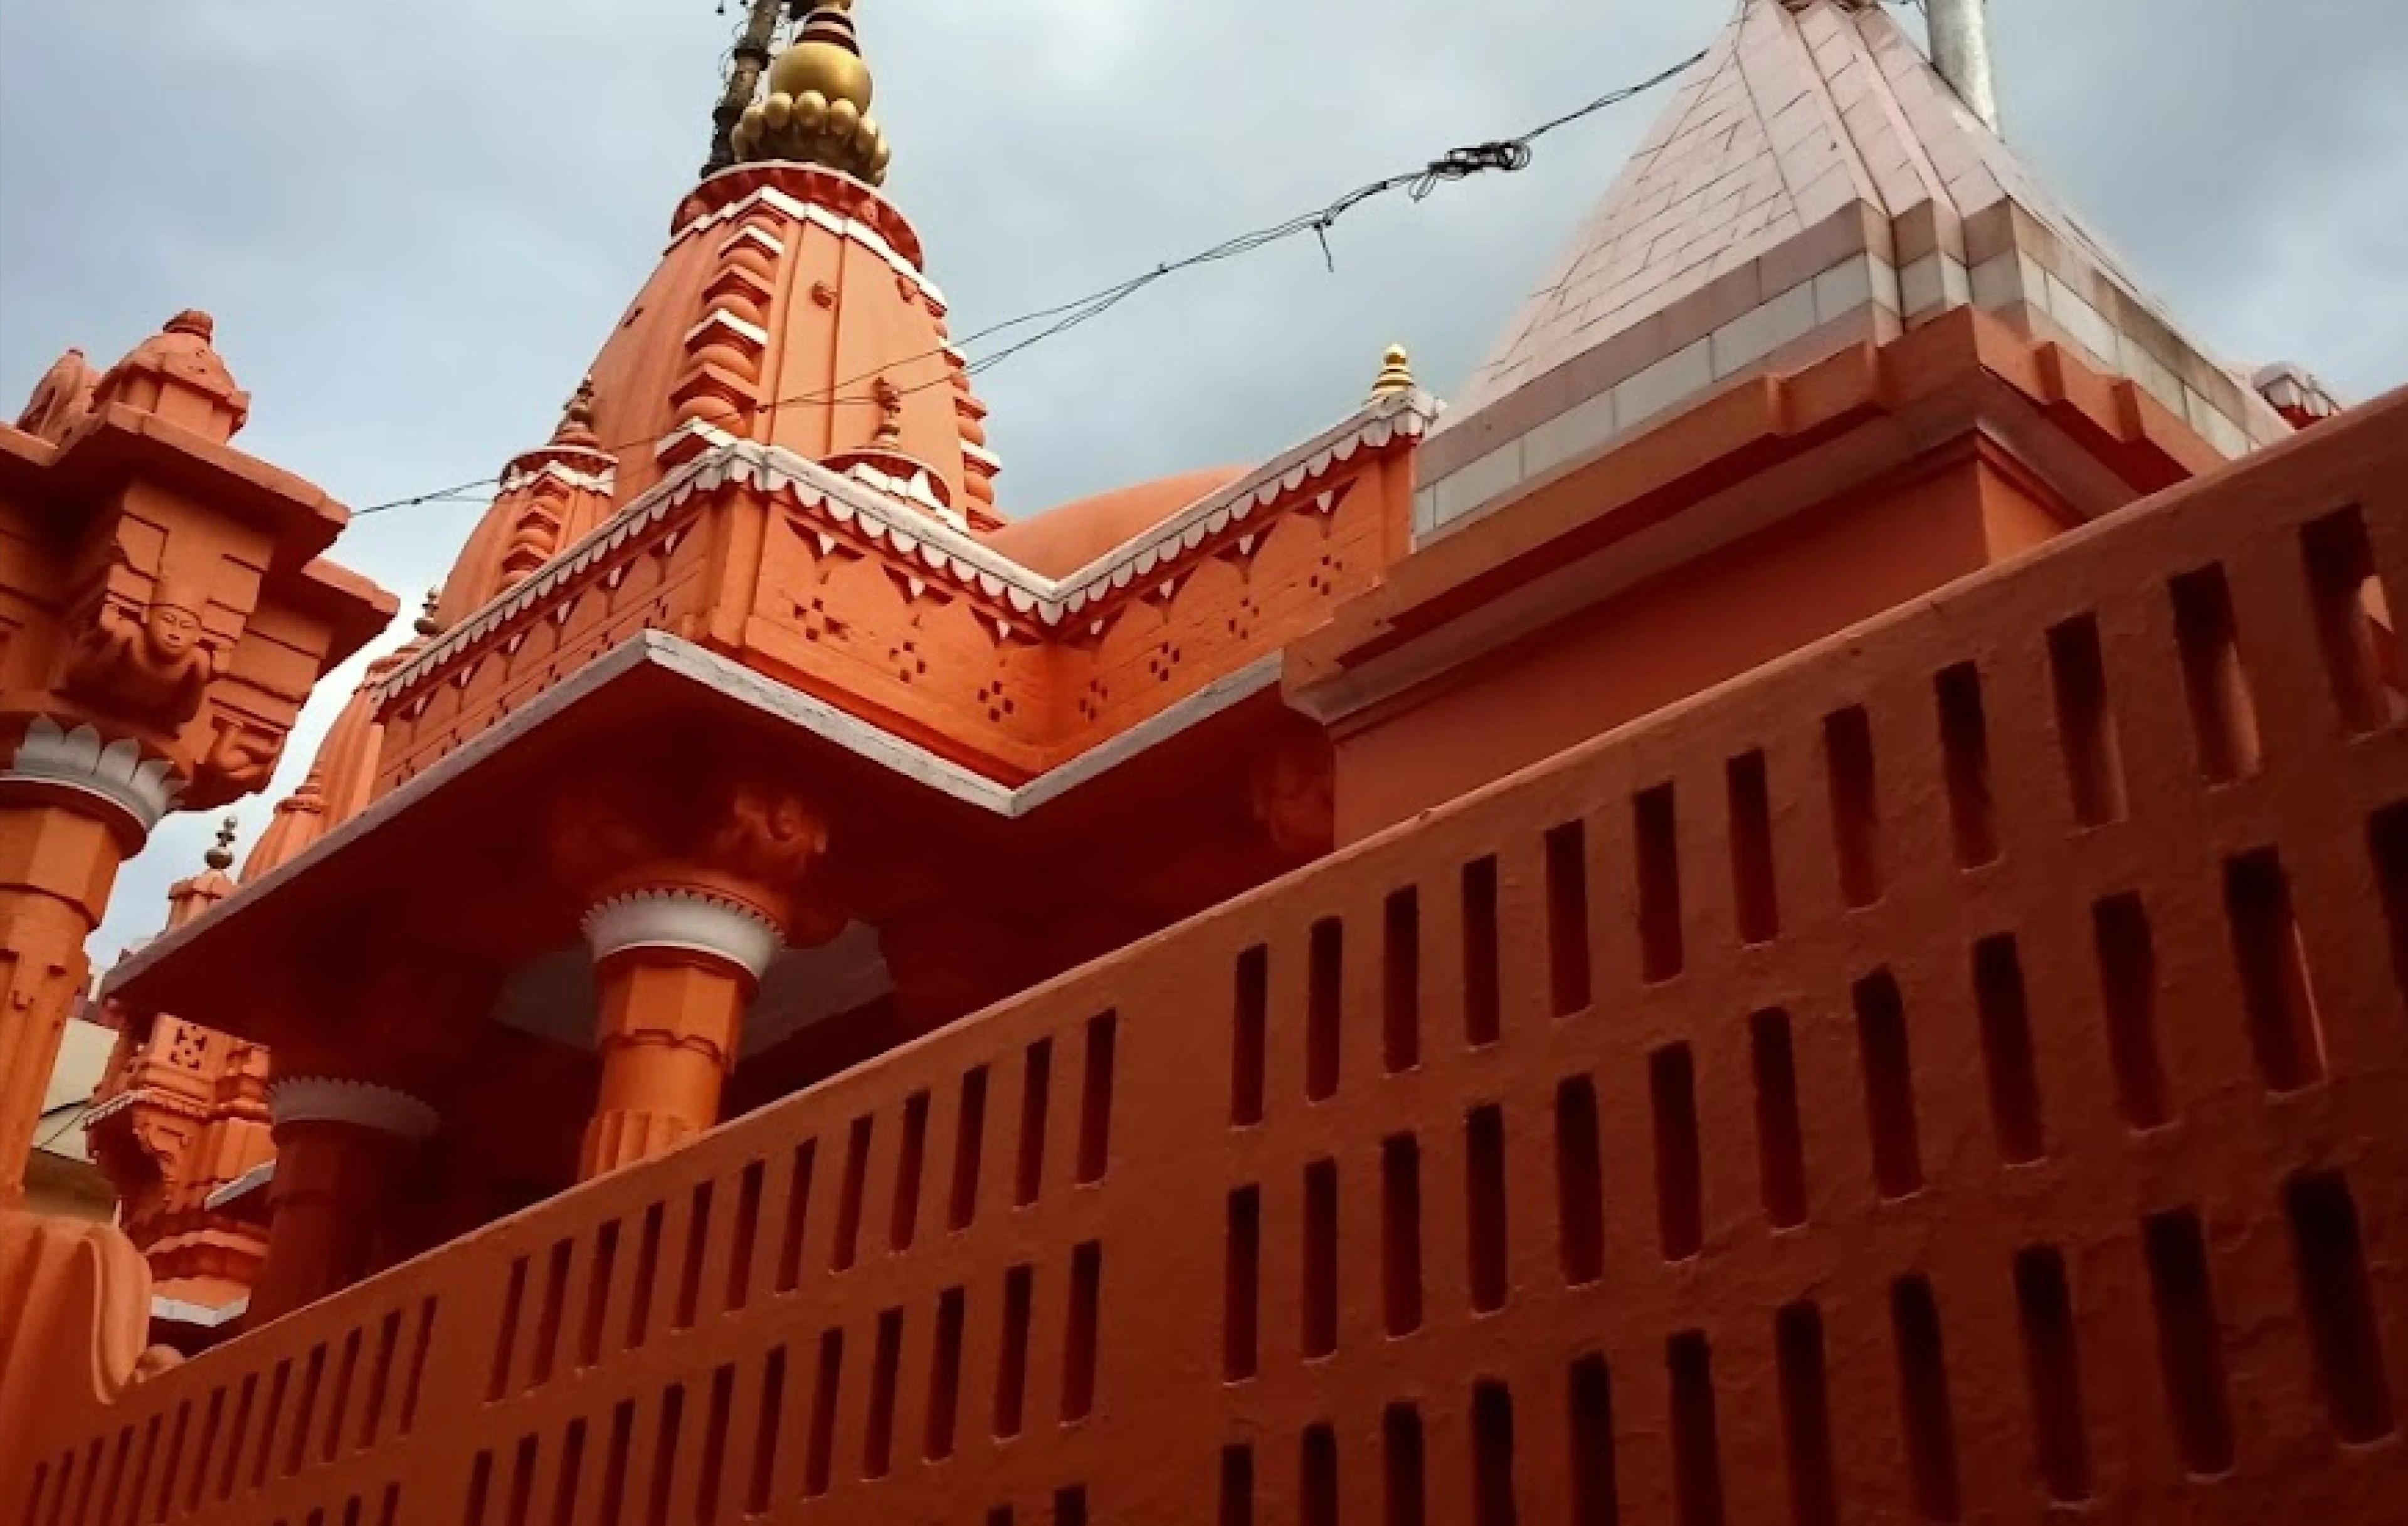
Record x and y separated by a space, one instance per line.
687 922
326 1099
141 790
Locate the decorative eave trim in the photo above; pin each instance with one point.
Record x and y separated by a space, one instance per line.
687 922
327 1099
179 1311
741 685
127 1099
241 1187
753 334
842 227
605 480
143 791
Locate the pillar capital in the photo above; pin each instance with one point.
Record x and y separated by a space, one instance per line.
362 1104
680 920
111 777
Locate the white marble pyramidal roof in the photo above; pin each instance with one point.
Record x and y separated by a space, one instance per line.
1814 184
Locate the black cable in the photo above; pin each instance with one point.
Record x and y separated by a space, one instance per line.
1505 155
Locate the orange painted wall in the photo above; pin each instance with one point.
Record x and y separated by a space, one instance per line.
1675 634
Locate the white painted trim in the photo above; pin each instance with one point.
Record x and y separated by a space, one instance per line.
142 790
241 1187
365 1105
740 684
201 1316
688 921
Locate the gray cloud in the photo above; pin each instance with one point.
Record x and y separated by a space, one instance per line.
416 224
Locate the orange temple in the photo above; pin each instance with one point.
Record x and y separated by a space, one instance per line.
1794 910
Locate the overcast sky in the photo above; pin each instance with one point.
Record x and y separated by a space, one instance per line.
415 222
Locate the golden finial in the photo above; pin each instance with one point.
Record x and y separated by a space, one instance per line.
221 858
1395 374
817 109
428 625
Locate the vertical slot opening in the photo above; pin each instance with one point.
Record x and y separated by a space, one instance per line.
848 1202
748 1230
1580 1182
1922 1398
1317 1478
1320 1301
820 1462
1855 808
697 1239
2354 625
2128 987
2338 1304
1567 965
235 1437
2086 727
1324 998
767 1427
1400 1451
711 1474
338 1409
2284 1028
664 1453
1655 835
1696 1453
798 1205
1400 1027
197 1484
424 1340
2007 1059
389 1338
1754 889
1079 1339
2190 1350
1241 1285
1965 751
1096 1099
506 1341
878 1432
614 1464
1036 1082
2052 1367
1249 1036
481 1484
1401 1234
313 1374
1237 1486
1071 1506
1491 1448
2386 841
1890 1086
2222 715
1679 1168
572 1474
970 1141
1482 993
944 1377
905 1222
1011 1365
1780 1130
1596 1491
1806 1416
1484 1161
546 1318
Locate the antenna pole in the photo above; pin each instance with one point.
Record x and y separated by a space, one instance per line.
751 56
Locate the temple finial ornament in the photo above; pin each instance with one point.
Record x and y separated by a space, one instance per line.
426 624
817 110
577 418
1395 374
220 857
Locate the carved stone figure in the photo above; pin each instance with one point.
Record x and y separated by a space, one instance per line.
61 398
158 665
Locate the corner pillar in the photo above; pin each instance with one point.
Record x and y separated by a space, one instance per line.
343 1148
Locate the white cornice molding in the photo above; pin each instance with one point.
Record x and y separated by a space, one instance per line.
686 922
327 1099
956 554
141 790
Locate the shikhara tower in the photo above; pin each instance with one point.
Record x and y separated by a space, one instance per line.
1796 910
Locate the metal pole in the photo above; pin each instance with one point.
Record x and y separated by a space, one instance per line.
744 78
1960 50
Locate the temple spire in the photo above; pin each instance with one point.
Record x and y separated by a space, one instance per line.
817 110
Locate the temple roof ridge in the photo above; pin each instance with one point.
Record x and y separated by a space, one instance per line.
1814 184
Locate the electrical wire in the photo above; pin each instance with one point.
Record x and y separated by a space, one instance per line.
1501 155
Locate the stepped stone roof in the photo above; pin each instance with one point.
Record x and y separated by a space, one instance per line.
1814 184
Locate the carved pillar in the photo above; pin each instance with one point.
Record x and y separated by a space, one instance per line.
66 821
342 1148
678 971
693 877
